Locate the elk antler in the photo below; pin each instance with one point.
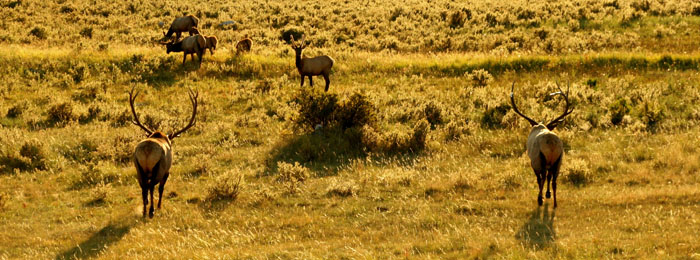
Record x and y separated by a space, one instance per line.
132 98
292 40
552 124
515 108
303 41
193 98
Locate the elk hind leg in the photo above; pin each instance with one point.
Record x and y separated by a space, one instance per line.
143 183
549 179
554 172
161 186
151 185
311 81
541 172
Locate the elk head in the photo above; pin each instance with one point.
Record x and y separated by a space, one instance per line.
153 155
298 46
544 147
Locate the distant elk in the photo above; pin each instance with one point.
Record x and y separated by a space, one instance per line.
308 67
211 40
180 25
191 45
544 147
244 45
153 156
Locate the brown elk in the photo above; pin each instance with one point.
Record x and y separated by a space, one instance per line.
153 156
244 45
308 67
544 147
191 45
180 25
211 41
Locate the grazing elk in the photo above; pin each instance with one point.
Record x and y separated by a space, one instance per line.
544 147
308 67
244 45
153 156
190 45
211 41
180 25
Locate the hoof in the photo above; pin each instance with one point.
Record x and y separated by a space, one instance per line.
548 195
150 213
539 201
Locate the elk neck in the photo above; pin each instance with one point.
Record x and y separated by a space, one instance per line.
298 61
175 47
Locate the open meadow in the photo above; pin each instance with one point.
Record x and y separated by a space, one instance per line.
414 152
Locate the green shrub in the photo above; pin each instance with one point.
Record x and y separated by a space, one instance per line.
458 18
433 113
345 189
618 110
652 114
16 111
86 32
479 77
61 114
292 175
356 111
287 33
493 117
93 174
315 108
34 151
39 32
226 187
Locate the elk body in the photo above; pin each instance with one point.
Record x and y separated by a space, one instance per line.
544 148
211 41
195 44
153 156
244 45
180 25
308 67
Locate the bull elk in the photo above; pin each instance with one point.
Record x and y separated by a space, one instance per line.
153 156
180 25
544 147
308 67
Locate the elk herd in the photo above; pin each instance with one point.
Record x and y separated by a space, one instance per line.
153 155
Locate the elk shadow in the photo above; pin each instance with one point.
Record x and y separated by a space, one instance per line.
100 240
325 153
538 231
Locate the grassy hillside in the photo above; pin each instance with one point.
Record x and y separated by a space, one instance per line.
419 156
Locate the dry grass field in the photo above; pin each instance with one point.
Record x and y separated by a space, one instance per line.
420 155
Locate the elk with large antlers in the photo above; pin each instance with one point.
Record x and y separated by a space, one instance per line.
544 147
153 156
308 67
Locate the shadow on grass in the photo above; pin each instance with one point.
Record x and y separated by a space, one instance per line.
324 153
99 241
327 153
538 232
